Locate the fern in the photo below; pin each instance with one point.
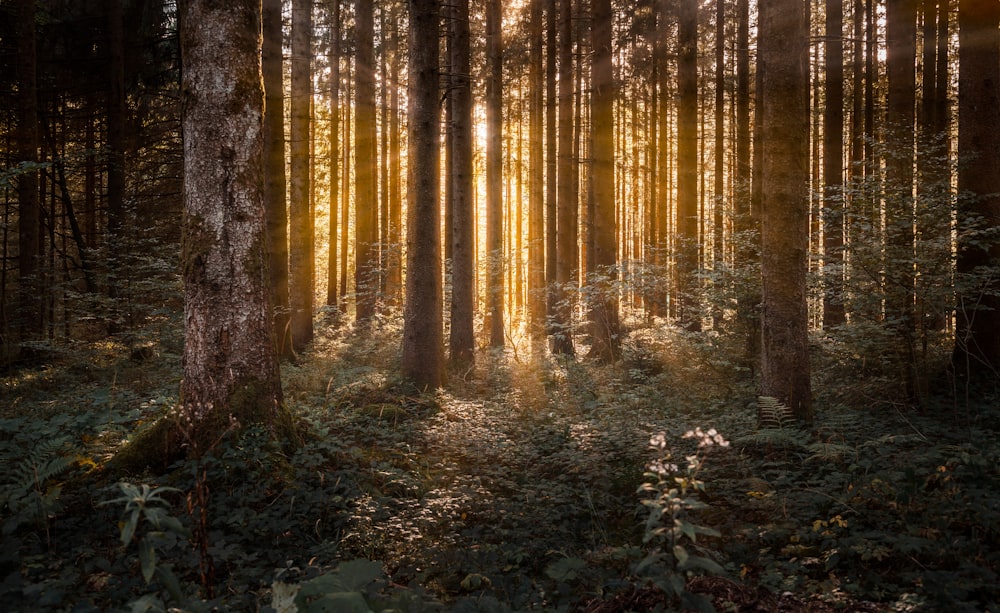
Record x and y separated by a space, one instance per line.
24 495
777 427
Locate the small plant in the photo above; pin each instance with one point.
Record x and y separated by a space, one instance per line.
146 506
673 499
27 496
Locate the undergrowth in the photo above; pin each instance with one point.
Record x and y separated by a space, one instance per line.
527 483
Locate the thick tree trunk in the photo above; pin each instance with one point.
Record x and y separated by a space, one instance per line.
566 205
833 171
365 196
551 168
301 247
605 327
977 342
422 352
901 20
494 174
785 215
536 170
463 238
394 273
275 199
28 201
687 164
230 365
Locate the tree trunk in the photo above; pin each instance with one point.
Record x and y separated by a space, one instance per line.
783 56
977 342
334 156
301 239
901 20
687 163
463 238
605 327
833 171
494 174
274 178
551 166
230 366
28 199
566 205
365 197
422 352
116 117
536 170
395 264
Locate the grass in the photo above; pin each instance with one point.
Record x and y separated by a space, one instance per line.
516 487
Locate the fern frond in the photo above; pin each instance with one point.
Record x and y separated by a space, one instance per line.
772 414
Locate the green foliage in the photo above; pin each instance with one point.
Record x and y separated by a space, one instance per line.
146 508
27 495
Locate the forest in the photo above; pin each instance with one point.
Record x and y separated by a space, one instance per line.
552 305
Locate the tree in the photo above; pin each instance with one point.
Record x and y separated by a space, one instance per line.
605 333
687 161
365 196
977 344
230 364
276 203
422 351
833 171
301 240
494 173
334 154
566 202
783 56
536 170
463 238
28 205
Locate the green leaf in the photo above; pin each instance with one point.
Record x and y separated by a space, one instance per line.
357 574
565 569
708 565
681 555
128 528
147 559
342 602
169 581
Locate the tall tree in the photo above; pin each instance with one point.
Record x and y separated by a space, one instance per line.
422 351
462 340
783 56
687 161
28 201
566 203
536 170
230 364
551 166
494 173
116 158
605 333
901 20
365 196
394 272
301 240
833 167
334 154
977 345
275 199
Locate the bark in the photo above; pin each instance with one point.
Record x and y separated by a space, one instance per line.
566 205
422 351
28 197
783 53
365 196
977 342
604 320
332 300
536 170
275 198
301 249
833 172
551 167
901 19
116 117
394 273
687 163
463 272
494 174
230 365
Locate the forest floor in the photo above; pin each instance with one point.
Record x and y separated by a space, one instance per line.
658 483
